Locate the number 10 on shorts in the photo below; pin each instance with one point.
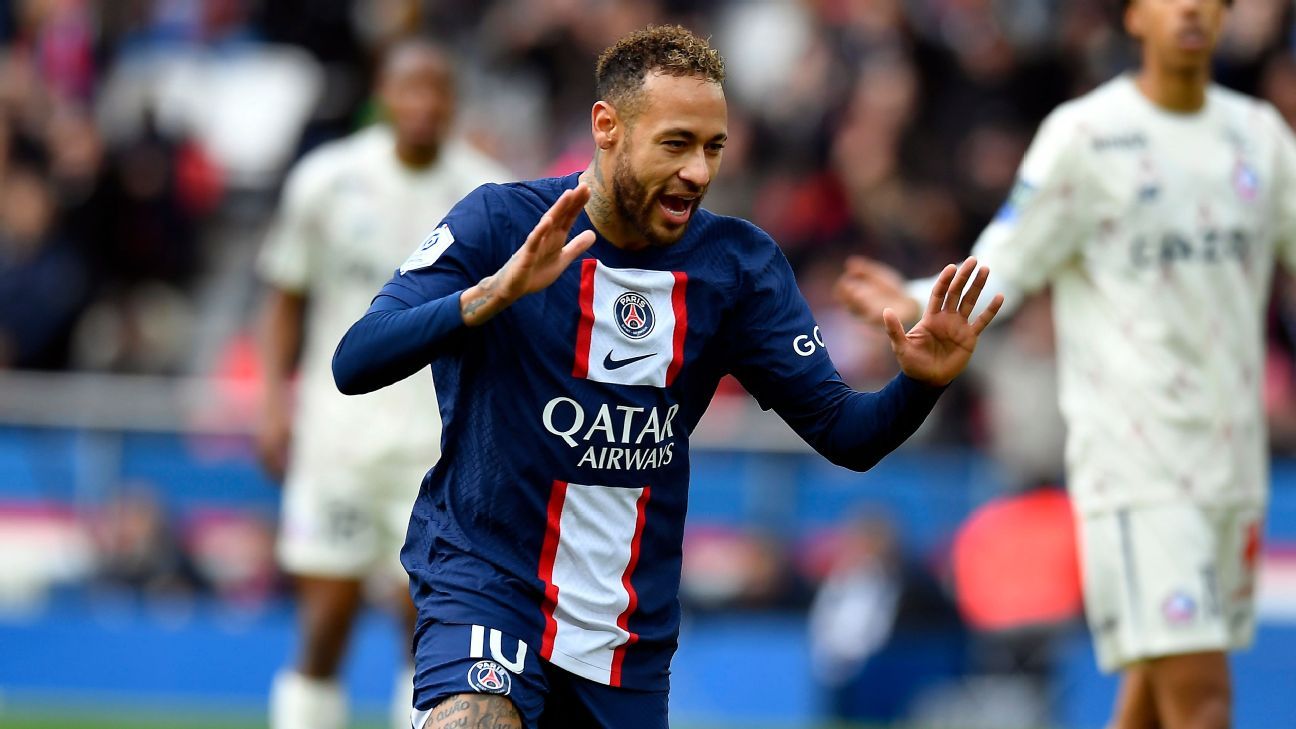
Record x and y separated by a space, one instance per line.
477 644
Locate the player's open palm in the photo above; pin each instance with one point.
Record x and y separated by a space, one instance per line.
546 252
939 346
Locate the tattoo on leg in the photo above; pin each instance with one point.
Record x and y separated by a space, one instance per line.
474 711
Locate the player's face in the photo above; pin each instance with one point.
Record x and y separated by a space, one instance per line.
670 155
418 91
1179 34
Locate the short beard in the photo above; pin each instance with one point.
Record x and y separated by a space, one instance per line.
634 204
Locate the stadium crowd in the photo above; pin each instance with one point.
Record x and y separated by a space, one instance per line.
880 127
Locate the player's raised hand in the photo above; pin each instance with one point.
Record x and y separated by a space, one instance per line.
867 287
939 346
537 264
546 252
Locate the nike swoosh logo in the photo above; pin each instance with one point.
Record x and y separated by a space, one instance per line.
616 364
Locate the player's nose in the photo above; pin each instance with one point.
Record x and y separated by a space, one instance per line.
696 171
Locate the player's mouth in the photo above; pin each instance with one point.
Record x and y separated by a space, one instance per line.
1192 38
677 208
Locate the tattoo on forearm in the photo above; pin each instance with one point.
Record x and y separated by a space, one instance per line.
474 711
471 309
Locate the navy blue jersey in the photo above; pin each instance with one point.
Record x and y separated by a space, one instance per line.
556 513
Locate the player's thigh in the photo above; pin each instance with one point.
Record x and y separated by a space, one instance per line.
463 711
1192 689
577 702
1152 584
331 524
451 659
328 602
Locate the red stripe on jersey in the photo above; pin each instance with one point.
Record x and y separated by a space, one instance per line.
548 553
585 329
623 620
679 304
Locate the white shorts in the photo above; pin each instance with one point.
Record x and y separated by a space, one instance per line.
1169 579
347 522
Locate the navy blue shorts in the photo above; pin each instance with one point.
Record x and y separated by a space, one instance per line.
473 659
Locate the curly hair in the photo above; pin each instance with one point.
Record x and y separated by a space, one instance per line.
1126 3
669 49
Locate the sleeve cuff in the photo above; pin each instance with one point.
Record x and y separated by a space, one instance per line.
919 389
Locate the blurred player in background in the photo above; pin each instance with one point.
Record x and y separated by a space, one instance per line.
544 549
1156 207
353 465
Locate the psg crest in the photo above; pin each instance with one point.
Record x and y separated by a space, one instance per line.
489 677
634 315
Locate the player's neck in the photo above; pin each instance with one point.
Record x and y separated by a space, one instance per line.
1181 91
603 213
416 157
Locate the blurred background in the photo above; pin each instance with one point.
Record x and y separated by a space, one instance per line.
143 144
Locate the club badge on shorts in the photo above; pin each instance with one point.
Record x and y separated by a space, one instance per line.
1179 608
489 677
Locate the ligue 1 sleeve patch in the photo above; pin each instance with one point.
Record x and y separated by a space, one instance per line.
1020 196
430 250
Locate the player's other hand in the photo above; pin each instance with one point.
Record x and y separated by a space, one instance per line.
939 346
867 287
273 439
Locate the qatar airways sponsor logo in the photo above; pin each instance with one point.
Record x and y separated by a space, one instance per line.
614 437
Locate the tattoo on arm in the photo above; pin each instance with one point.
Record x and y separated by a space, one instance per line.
474 711
486 296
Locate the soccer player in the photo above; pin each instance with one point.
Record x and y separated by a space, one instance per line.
353 465
577 328
1156 207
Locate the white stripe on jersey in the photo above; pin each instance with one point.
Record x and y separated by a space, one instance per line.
590 552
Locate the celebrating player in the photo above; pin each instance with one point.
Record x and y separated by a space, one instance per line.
354 464
1156 207
577 328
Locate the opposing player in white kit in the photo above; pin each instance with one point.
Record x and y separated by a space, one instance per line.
353 465
1156 207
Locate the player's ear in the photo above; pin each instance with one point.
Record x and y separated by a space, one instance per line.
605 124
1133 20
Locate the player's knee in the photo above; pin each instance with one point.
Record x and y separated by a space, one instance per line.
1214 708
473 710
323 644
328 610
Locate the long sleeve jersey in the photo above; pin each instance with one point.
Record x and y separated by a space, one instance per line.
556 514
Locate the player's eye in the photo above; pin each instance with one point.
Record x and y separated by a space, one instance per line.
715 147
675 144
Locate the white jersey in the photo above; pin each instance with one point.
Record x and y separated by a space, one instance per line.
351 212
1158 232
